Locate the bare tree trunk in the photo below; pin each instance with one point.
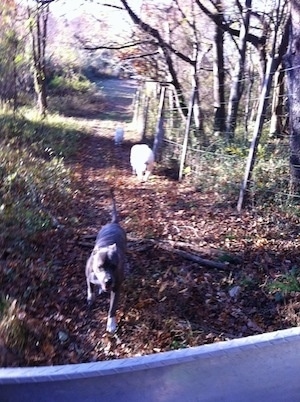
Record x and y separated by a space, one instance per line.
197 114
263 101
159 134
248 101
197 111
272 66
219 76
237 86
175 82
276 125
292 60
38 31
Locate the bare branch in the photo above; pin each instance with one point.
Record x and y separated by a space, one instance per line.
139 56
113 6
154 33
256 41
115 47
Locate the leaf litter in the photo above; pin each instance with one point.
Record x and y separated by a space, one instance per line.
169 301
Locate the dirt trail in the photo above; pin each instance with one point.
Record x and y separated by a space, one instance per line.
99 166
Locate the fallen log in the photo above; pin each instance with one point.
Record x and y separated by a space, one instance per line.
144 244
169 245
196 258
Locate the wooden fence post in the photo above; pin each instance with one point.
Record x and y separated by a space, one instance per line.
186 134
263 101
159 133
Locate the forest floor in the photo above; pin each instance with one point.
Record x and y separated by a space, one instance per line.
168 300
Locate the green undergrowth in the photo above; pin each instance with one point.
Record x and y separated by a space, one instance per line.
34 179
220 168
284 285
77 83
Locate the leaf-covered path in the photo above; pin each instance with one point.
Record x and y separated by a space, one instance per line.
168 301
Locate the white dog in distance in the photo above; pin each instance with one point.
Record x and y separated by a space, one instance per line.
142 161
119 135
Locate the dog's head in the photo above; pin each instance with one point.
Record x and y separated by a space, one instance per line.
105 263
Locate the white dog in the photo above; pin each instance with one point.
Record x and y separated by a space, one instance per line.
119 135
142 161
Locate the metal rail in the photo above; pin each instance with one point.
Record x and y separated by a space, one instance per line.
260 368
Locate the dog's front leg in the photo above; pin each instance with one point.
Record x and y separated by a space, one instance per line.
111 325
89 292
146 175
88 276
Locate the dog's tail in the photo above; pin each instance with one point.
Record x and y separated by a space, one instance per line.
114 214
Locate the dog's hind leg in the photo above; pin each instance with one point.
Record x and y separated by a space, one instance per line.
111 325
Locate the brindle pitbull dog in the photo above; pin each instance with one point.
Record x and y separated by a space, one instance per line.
105 266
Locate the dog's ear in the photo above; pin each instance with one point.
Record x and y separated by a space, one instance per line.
99 254
112 248
111 253
95 250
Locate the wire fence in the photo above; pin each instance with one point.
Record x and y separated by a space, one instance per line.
213 164
222 172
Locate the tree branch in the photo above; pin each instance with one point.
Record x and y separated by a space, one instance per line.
141 56
114 47
154 33
256 41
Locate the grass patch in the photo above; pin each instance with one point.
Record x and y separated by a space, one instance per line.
77 83
34 179
75 96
